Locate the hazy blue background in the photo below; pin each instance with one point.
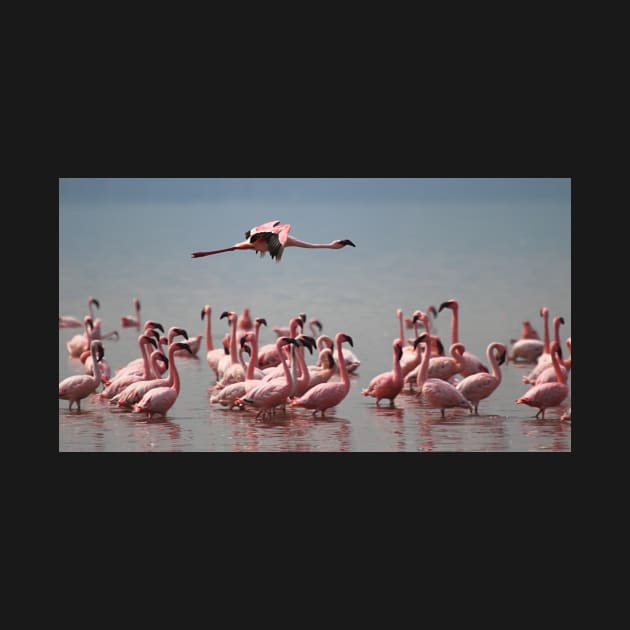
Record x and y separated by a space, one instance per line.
502 247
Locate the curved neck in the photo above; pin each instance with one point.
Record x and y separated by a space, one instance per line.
454 325
556 366
173 374
253 359
424 365
395 366
343 370
557 322
545 315
209 345
492 358
95 365
145 360
285 367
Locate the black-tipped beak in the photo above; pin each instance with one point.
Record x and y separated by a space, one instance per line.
101 352
153 324
243 340
95 302
502 358
432 311
203 313
152 341
399 352
184 346
347 241
562 320
440 346
181 331
422 338
348 338
444 305
261 320
224 314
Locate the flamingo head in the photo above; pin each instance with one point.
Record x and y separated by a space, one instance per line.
174 331
423 338
260 321
307 342
452 304
151 324
181 345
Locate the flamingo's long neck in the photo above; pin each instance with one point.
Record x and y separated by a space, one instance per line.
401 335
233 350
253 359
343 371
455 325
396 367
457 353
285 367
137 305
424 365
496 372
95 366
145 360
301 383
294 242
209 345
545 314
173 375
556 366
557 322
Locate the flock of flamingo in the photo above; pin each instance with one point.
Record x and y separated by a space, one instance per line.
277 375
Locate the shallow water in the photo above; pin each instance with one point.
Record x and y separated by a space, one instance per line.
503 260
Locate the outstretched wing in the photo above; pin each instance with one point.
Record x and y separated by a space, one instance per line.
264 227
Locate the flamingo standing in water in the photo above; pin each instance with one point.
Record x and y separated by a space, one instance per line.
273 237
129 321
549 394
387 384
159 400
544 360
79 386
476 387
269 394
329 394
549 374
131 394
78 344
470 363
435 391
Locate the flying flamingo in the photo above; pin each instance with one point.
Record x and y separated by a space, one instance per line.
331 393
476 387
550 394
544 360
157 401
435 391
129 321
273 237
79 386
387 384
68 321
470 363
272 393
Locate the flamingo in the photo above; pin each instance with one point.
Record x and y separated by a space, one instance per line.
273 237
470 363
227 395
387 384
159 400
284 331
78 344
68 321
245 320
272 393
549 373
476 387
350 359
530 350
88 365
324 369
441 367
544 360
119 382
79 386
329 394
213 355
129 321
136 366
301 381
549 394
435 391
133 392
237 372
268 354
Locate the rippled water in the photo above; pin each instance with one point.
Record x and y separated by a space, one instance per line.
500 264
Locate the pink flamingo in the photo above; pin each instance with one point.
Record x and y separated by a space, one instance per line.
548 375
441 367
157 401
350 359
387 384
268 356
232 358
129 321
227 395
470 363
544 360
80 343
550 394
245 320
302 380
528 349
329 394
134 391
476 387
273 237
270 394
68 321
79 386
435 391
284 331
88 365
213 355
136 366
324 369
119 382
